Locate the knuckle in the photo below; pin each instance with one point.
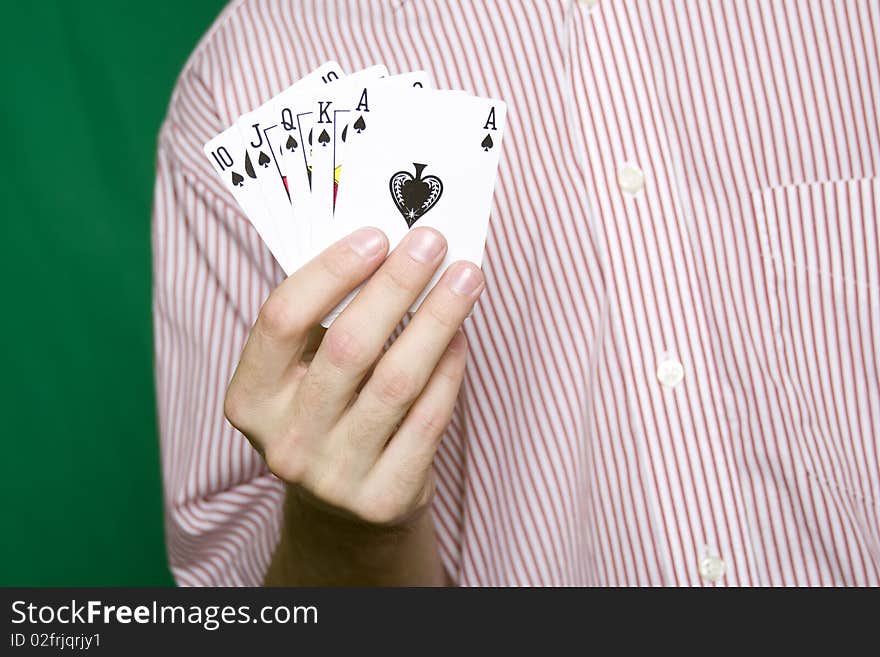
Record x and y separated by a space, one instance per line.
335 264
285 462
407 481
328 490
395 386
430 421
278 318
397 276
444 315
331 484
235 406
343 349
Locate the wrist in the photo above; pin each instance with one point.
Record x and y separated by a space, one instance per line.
331 523
321 544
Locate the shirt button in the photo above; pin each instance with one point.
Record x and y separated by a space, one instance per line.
631 179
670 372
711 568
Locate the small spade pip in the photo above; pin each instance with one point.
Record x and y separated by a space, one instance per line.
291 143
360 125
487 143
415 194
323 138
263 160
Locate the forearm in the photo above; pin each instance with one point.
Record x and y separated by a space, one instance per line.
321 548
356 424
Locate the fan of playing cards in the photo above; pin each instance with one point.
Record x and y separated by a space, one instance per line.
336 152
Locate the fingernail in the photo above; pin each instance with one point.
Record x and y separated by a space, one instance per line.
424 245
464 280
366 242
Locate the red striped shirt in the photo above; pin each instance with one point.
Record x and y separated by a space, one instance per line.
749 261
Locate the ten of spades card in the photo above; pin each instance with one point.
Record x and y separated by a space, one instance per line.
229 156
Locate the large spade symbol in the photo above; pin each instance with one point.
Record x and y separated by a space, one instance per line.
248 166
414 195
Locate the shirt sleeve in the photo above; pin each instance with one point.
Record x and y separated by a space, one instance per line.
211 272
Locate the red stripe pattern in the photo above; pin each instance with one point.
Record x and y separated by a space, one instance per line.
687 187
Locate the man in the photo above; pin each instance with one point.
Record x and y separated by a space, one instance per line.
672 375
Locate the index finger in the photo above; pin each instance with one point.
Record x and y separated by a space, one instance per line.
300 302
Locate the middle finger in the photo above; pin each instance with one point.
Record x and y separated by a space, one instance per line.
401 374
355 340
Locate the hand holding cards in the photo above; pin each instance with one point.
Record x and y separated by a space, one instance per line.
335 153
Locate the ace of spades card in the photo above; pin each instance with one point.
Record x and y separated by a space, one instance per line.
429 159
346 110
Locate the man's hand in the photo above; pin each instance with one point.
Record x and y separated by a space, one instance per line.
354 431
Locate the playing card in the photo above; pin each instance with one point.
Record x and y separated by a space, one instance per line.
428 159
246 157
298 110
410 154
229 156
377 105
284 104
274 119
257 130
346 109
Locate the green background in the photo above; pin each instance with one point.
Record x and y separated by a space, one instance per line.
85 86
